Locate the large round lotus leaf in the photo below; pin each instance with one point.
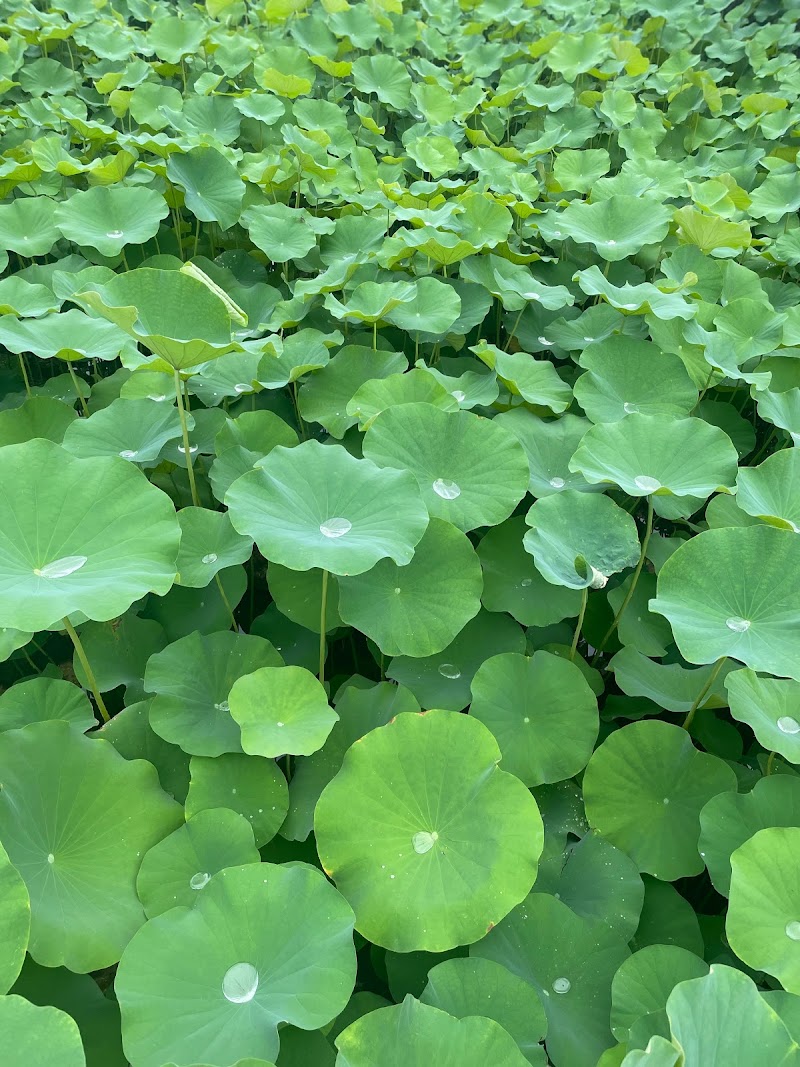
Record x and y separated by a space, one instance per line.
317 506
769 706
212 188
38 699
192 680
281 231
178 868
417 609
33 1036
470 472
80 871
174 315
359 710
771 491
27 225
281 709
250 785
426 837
625 376
325 396
242 442
208 544
263 945
570 961
15 921
67 335
412 1034
41 416
542 713
109 217
596 880
723 1021
549 445
645 454
730 819
443 681
617 227
416 386
580 539
136 430
642 985
763 920
735 592
88 535
464 987
644 788
671 686
512 583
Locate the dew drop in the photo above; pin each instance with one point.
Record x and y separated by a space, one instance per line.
128 453
335 527
60 568
787 725
158 398
223 706
562 985
51 858
192 449
630 307
611 242
210 557
543 341
199 880
423 841
526 582
630 409
557 483
793 930
240 983
397 589
279 724
666 800
446 490
526 719
116 234
449 670
646 483
737 624
588 338
459 396
242 387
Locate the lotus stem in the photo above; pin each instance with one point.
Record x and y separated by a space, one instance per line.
579 624
322 614
78 644
632 587
23 367
226 602
770 762
185 431
687 722
78 389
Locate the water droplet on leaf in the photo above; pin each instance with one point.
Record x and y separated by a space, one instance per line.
335 527
646 483
449 670
210 557
199 880
60 568
446 490
737 624
562 985
423 841
787 725
240 983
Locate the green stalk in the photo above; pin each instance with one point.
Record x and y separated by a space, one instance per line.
76 641
634 580
226 602
687 722
578 627
322 613
185 432
24 368
78 389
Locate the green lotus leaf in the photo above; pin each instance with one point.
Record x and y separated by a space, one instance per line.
250 785
579 170
172 38
242 443
761 925
723 1021
541 712
208 544
570 961
645 454
473 388
130 733
298 646
730 819
466 987
443 680
159 308
68 335
781 409
417 609
549 445
771 491
211 185
769 706
536 381
644 788
662 301
432 309
371 301
109 217
27 225
298 596
658 1053
777 196
386 77
263 945
33 1036
89 535
359 710
670 685
177 869
424 873
617 227
136 430
416 386
281 709
638 628
715 607
287 360
413 1034
643 984
280 231
118 652
317 506
73 866
667 919
516 286
750 327
625 376
192 679
580 540
325 396
711 233
469 471
512 583
41 699
41 416
435 155
15 921
18 297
